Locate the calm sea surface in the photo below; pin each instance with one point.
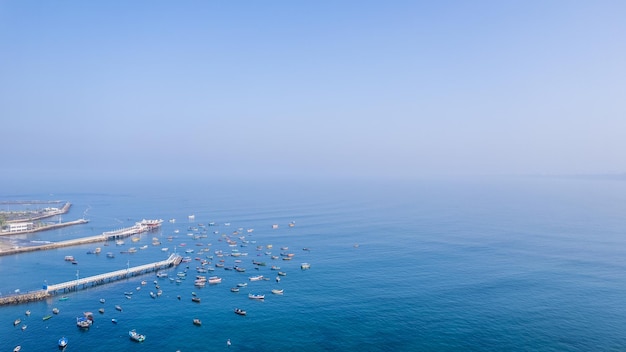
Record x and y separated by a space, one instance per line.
472 265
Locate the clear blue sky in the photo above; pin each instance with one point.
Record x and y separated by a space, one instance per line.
318 88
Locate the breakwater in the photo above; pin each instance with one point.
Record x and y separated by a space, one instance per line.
90 281
45 227
38 215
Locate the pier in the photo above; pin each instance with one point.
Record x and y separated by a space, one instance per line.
75 285
138 228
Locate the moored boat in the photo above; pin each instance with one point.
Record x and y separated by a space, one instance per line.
17 322
240 311
83 322
253 296
118 308
277 291
305 266
197 322
135 336
234 289
63 342
195 299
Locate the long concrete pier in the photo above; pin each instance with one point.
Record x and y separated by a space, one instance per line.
75 285
105 236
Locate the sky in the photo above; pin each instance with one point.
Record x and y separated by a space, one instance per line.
352 89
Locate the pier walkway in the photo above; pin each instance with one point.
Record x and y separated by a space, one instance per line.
105 236
91 281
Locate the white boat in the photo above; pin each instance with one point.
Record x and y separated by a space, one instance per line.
305 266
277 291
83 322
253 296
215 280
63 342
136 337
256 278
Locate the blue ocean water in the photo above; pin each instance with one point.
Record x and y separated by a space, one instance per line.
492 264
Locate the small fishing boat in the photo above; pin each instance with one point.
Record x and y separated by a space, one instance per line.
196 299
63 342
114 321
136 337
101 310
197 322
27 313
24 327
243 284
240 311
83 323
277 291
64 298
256 278
118 308
102 300
17 321
282 273
47 317
55 310
253 296
17 348
234 289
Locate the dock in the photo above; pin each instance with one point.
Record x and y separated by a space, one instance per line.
75 285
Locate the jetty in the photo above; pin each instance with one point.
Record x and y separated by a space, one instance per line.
139 227
21 216
78 283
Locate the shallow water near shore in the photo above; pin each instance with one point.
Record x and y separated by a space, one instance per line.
447 265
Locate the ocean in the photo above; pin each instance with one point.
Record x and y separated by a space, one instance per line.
477 264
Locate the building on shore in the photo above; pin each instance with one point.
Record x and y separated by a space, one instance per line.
20 226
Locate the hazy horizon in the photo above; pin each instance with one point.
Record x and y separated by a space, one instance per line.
367 89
